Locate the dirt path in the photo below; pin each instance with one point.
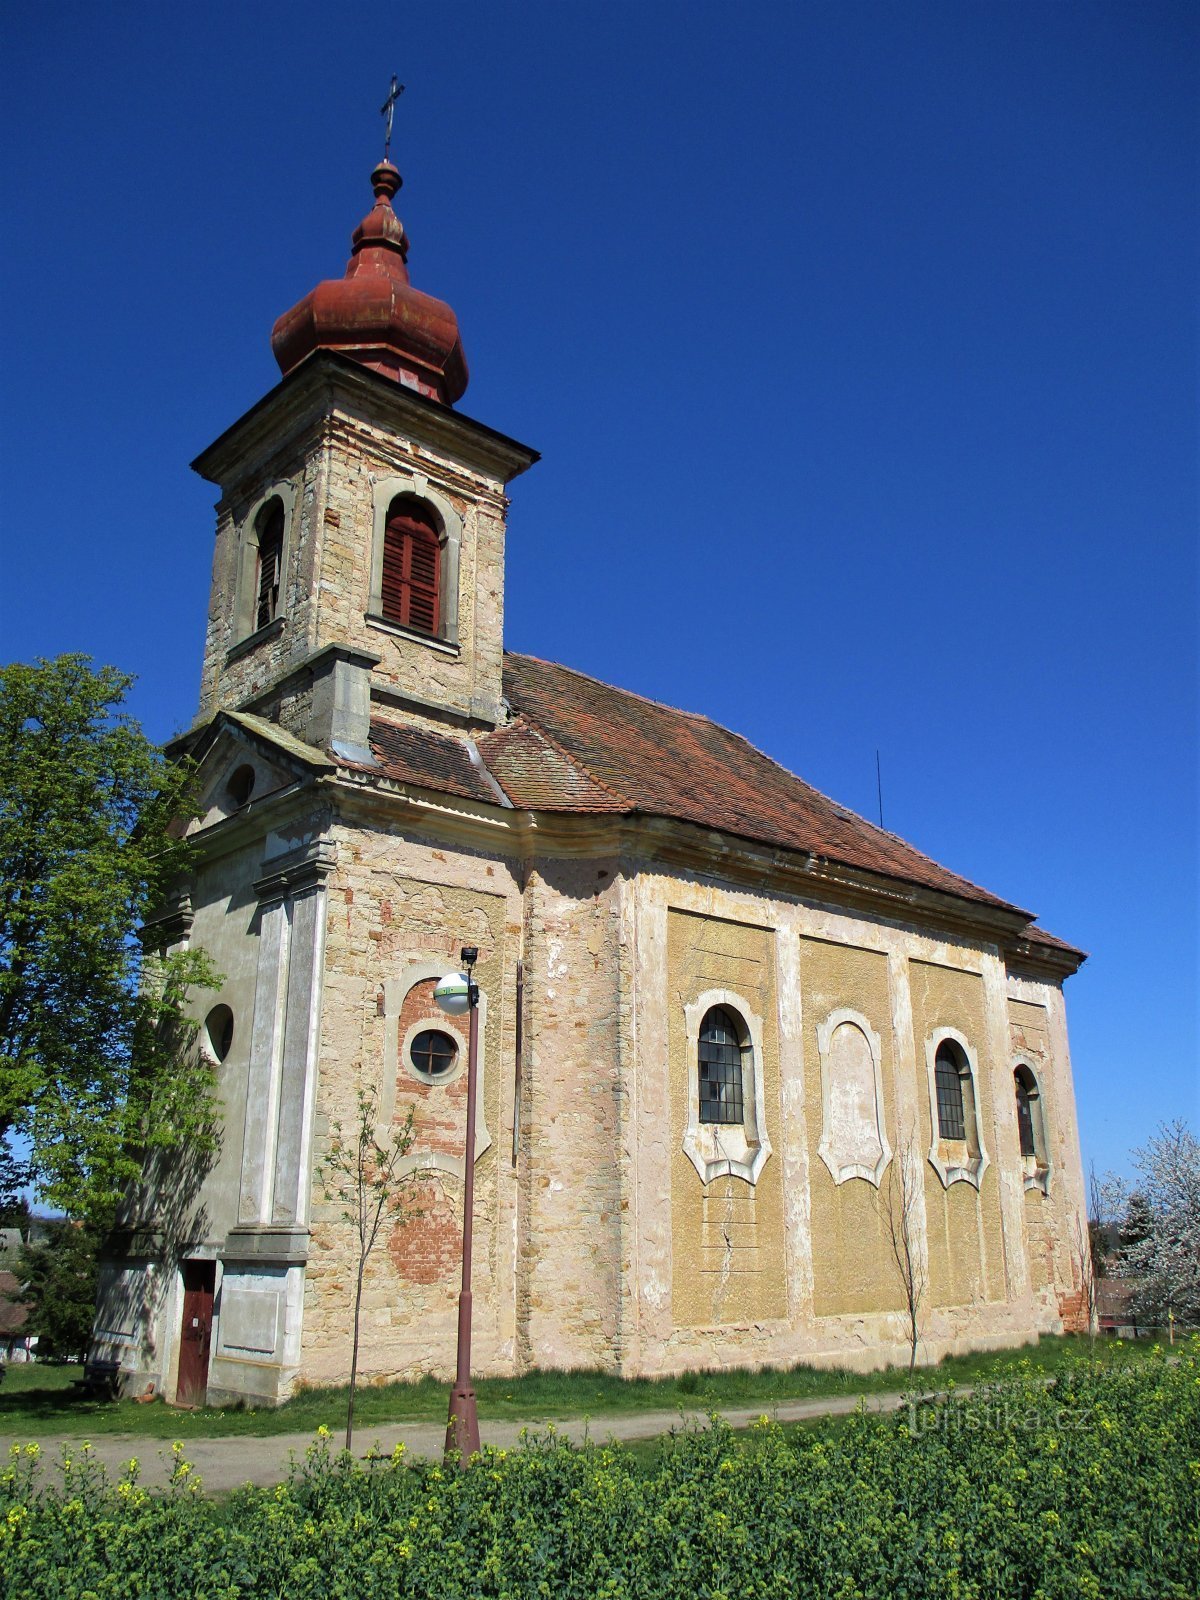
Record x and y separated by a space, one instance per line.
227 1463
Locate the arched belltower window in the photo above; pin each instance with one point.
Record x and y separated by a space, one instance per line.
270 562
412 564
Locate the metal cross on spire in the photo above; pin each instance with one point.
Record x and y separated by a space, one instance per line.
386 110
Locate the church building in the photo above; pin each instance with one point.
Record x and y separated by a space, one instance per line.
742 1052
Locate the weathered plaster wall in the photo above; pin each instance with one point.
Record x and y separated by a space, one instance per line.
853 1266
1055 1220
840 1295
398 904
727 1234
966 1252
571 1179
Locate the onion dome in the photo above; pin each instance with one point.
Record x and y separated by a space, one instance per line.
374 315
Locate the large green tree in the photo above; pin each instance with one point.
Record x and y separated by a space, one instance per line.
58 1284
98 1065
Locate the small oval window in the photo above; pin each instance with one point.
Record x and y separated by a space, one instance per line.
218 1029
241 785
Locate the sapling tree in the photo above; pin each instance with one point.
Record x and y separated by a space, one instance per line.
365 1175
899 1201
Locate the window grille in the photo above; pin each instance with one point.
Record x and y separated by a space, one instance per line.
412 562
720 1069
948 1080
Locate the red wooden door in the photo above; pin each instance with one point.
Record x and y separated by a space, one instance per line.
199 1285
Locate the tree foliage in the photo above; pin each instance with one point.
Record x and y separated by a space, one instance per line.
96 1063
58 1284
1160 1232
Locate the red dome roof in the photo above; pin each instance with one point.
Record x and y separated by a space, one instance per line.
374 314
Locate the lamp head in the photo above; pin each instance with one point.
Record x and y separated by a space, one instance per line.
452 994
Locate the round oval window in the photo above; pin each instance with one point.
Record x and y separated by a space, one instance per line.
433 1053
218 1025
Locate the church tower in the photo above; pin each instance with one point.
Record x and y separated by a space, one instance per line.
360 539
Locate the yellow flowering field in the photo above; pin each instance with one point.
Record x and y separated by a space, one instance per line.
1086 1489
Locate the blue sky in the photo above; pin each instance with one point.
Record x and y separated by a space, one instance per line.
859 342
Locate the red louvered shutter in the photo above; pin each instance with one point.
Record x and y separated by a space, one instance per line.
270 556
412 561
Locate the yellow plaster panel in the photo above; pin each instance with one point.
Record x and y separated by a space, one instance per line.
1029 1029
966 1248
727 1258
853 1268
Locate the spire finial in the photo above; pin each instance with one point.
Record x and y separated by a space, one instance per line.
385 111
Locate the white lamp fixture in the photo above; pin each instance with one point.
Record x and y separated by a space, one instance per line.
453 994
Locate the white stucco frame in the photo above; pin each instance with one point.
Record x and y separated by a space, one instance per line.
944 1155
719 1150
383 492
395 991
1036 1168
827 1149
285 491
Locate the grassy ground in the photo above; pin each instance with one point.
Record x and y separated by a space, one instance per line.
38 1400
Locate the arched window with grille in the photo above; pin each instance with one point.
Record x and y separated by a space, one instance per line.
722 1045
410 589
948 1073
1031 1128
268 527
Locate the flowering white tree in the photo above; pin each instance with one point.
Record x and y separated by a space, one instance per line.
1162 1252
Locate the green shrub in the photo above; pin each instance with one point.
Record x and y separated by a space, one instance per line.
1081 1490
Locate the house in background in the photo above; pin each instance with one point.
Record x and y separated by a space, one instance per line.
721 1015
15 1343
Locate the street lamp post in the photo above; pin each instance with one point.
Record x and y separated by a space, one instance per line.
456 994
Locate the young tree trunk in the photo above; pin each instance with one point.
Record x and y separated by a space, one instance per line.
354 1356
913 1338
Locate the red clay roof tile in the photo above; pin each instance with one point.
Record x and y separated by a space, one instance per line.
429 760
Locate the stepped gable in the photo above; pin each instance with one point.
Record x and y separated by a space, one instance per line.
654 759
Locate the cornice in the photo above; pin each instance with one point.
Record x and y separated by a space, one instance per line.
324 380
647 844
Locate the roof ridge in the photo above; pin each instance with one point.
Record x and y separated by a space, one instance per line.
572 761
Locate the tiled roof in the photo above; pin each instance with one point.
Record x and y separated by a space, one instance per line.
430 760
530 765
641 756
1036 935
580 746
